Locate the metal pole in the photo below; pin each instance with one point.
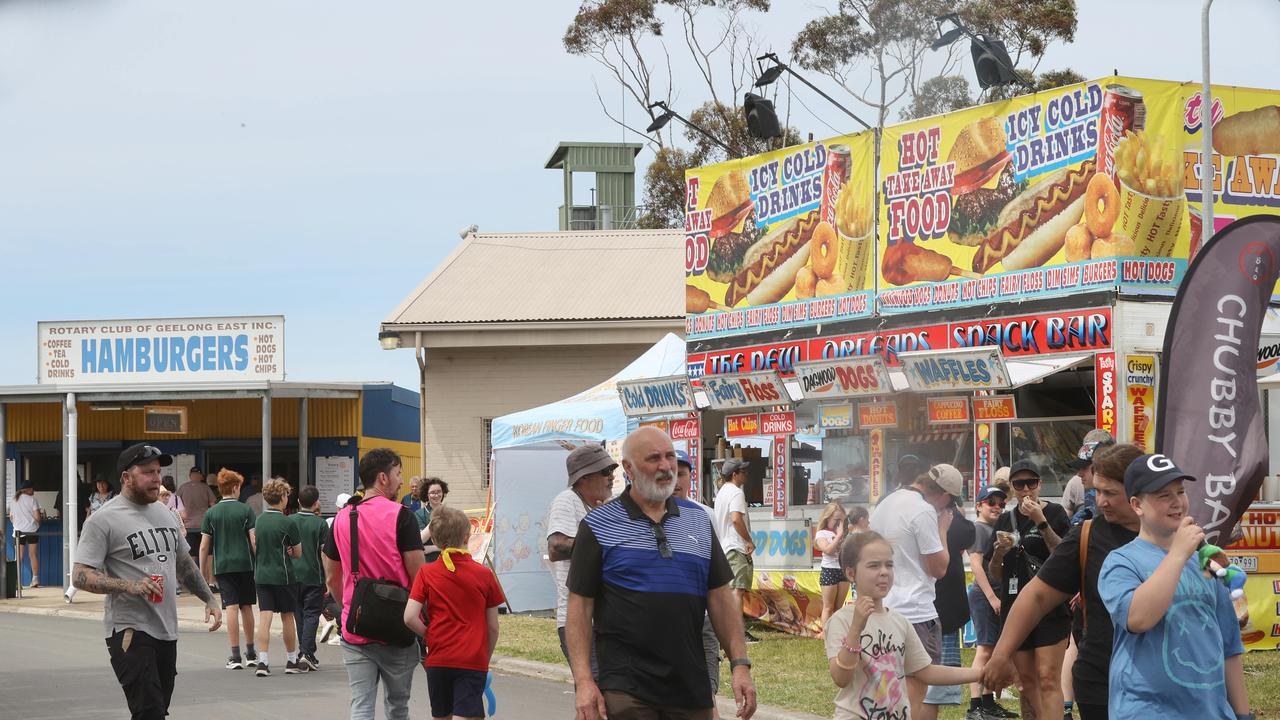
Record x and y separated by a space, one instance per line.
266 436
303 437
4 506
420 353
1206 130
71 520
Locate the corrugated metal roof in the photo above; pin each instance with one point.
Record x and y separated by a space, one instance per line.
512 277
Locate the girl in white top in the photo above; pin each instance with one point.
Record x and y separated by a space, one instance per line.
831 531
870 649
26 515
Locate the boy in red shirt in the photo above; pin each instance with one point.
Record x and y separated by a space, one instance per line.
461 598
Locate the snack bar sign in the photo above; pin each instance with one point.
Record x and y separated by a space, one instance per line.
846 377
731 392
656 396
979 369
169 350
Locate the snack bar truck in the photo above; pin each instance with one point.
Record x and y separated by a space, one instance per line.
974 288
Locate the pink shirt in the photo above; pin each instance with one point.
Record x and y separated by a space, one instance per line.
379 555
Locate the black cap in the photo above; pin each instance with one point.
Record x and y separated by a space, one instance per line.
141 453
1024 465
195 470
1150 473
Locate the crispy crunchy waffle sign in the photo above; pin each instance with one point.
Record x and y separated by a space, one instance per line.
780 239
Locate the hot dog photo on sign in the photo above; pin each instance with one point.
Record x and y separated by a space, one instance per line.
1064 176
783 226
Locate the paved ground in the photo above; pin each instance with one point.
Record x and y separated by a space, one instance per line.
53 664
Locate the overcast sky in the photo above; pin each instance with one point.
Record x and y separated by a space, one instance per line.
317 159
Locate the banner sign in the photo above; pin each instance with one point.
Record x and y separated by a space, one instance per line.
1086 330
170 350
875 469
983 438
977 369
782 543
835 416
1140 398
695 461
1215 429
846 377
1261 530
947 410
686 429
742 425
778 423
878 414
761 389
781 474
780 240
656 396
1104 379
989 408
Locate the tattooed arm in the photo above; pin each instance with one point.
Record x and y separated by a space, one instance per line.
93 580
190 577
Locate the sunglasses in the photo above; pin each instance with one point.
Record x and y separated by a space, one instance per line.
1025 484
664 548
145 453
996 503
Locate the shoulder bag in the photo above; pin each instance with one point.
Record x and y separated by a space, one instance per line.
377 606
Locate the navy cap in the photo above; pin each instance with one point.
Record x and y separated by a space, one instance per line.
991 490
682 458
1024 465
910 459
1150 473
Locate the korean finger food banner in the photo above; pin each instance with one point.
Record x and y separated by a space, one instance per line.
781 239
1089 186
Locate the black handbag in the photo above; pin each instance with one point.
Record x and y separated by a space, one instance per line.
377 606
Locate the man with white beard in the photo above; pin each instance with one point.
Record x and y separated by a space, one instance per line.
643 555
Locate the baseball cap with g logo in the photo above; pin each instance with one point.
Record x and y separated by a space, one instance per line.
1150 473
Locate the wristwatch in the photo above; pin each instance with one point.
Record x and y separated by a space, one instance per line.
1042 526
740 662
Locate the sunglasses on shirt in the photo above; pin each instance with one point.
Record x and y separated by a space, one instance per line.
1025 484
664 548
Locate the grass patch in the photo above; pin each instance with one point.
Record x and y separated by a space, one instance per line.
791 672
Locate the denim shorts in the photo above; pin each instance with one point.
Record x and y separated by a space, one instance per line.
946 694
986 625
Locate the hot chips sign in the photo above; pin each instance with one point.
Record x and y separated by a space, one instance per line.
742 425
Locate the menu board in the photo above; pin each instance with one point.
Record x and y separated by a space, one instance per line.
334 475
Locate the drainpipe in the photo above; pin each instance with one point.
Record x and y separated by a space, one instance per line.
1206 132
71 519
420 353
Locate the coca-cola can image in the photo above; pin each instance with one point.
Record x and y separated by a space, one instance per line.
835 175
157 597
1123 109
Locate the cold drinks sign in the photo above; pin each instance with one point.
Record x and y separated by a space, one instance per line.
174 350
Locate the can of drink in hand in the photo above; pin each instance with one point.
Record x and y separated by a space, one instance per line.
157 597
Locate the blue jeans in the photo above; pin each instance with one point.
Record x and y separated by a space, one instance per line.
307 617
367 665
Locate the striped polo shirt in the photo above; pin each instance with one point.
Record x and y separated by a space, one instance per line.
649 608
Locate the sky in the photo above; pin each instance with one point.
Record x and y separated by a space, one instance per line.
316 159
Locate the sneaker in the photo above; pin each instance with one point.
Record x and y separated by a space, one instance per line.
327 627
250 660
234 664
999 711
977 714
307 663
294 668
751 638
263 671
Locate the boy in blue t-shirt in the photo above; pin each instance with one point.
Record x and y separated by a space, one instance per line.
1177 643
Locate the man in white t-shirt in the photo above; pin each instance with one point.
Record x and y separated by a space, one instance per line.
909 519
734 528
590 482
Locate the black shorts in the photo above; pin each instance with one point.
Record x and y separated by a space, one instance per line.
237 589
193 542
277 598
831 576
1052 629
456 692
26 538
145 668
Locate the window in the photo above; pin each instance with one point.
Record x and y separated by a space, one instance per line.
486 452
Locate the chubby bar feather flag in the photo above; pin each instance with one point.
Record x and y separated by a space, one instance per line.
1210 416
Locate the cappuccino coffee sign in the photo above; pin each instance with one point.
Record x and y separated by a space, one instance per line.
846 377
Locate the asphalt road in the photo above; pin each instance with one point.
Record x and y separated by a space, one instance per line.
53 667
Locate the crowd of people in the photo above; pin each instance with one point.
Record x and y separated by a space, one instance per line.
1105 610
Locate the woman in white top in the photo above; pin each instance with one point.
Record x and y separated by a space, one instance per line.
831 532
26 516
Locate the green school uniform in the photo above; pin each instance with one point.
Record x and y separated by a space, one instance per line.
276 533
314 532
228 524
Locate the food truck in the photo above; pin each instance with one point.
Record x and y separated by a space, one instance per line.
974 288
